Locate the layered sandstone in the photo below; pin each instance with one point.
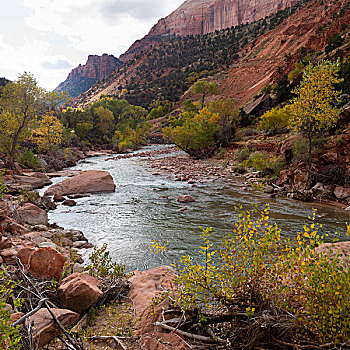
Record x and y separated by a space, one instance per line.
205 16
81 78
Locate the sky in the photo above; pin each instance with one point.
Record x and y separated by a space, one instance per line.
48 38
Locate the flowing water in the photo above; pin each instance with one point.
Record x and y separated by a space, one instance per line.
129 219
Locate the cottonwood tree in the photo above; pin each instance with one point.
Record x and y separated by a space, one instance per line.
204 88
22 103
313 109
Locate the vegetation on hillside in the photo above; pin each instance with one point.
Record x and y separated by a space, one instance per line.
171 67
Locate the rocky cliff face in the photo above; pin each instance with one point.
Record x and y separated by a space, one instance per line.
80 79
205 16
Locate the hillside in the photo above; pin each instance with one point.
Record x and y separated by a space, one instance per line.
206 16
243 59
83 77
169 68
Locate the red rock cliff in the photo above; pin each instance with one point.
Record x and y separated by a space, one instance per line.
96 67
81 78
205 16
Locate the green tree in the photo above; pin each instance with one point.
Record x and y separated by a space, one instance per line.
204 88
313 109
229 117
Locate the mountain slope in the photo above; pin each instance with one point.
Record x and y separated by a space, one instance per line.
240 68
83 77
205 16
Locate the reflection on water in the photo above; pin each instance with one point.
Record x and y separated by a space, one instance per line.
129 219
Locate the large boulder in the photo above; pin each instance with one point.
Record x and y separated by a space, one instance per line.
46 263
28 182
342 192
145 287
78 292
89 181
288 145
32 215
341 249
46 328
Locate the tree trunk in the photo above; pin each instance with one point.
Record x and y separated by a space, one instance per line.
309 161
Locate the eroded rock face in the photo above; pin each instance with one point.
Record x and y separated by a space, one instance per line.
46 263
32 215
79 291
45 327
83 77
92 181
202 17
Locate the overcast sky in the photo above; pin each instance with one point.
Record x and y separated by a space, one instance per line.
50 37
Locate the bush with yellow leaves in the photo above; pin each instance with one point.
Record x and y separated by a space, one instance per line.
270 287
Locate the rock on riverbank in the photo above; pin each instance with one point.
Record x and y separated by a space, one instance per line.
89 181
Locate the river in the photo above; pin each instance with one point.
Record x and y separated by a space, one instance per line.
129 219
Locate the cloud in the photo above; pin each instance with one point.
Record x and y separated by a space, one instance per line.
49 37
60 64
138 9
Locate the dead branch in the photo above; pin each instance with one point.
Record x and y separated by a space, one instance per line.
110 337
190 335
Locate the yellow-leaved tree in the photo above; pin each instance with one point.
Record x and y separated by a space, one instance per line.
48 134
21 103
313 109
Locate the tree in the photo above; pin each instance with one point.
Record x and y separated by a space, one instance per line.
204 88
106 118
275 119
313 109
196 134
229 115
48 133
21 103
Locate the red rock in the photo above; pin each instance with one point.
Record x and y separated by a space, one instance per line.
145 286
45 327
162 341
90 181
46 263
5 244
69 203
24 254
185 199
342 192
201 17
9 255
32 215
332 249
96 68
78 292
58 198
16 316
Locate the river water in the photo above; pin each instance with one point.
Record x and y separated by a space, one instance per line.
129 219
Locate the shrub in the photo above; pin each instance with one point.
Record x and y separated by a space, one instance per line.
275 119
277 286
29 160
260 161
242 154
102 266
9 335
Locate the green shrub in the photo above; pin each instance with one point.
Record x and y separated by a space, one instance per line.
260 161
102 266
9 335
29 160
242 154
